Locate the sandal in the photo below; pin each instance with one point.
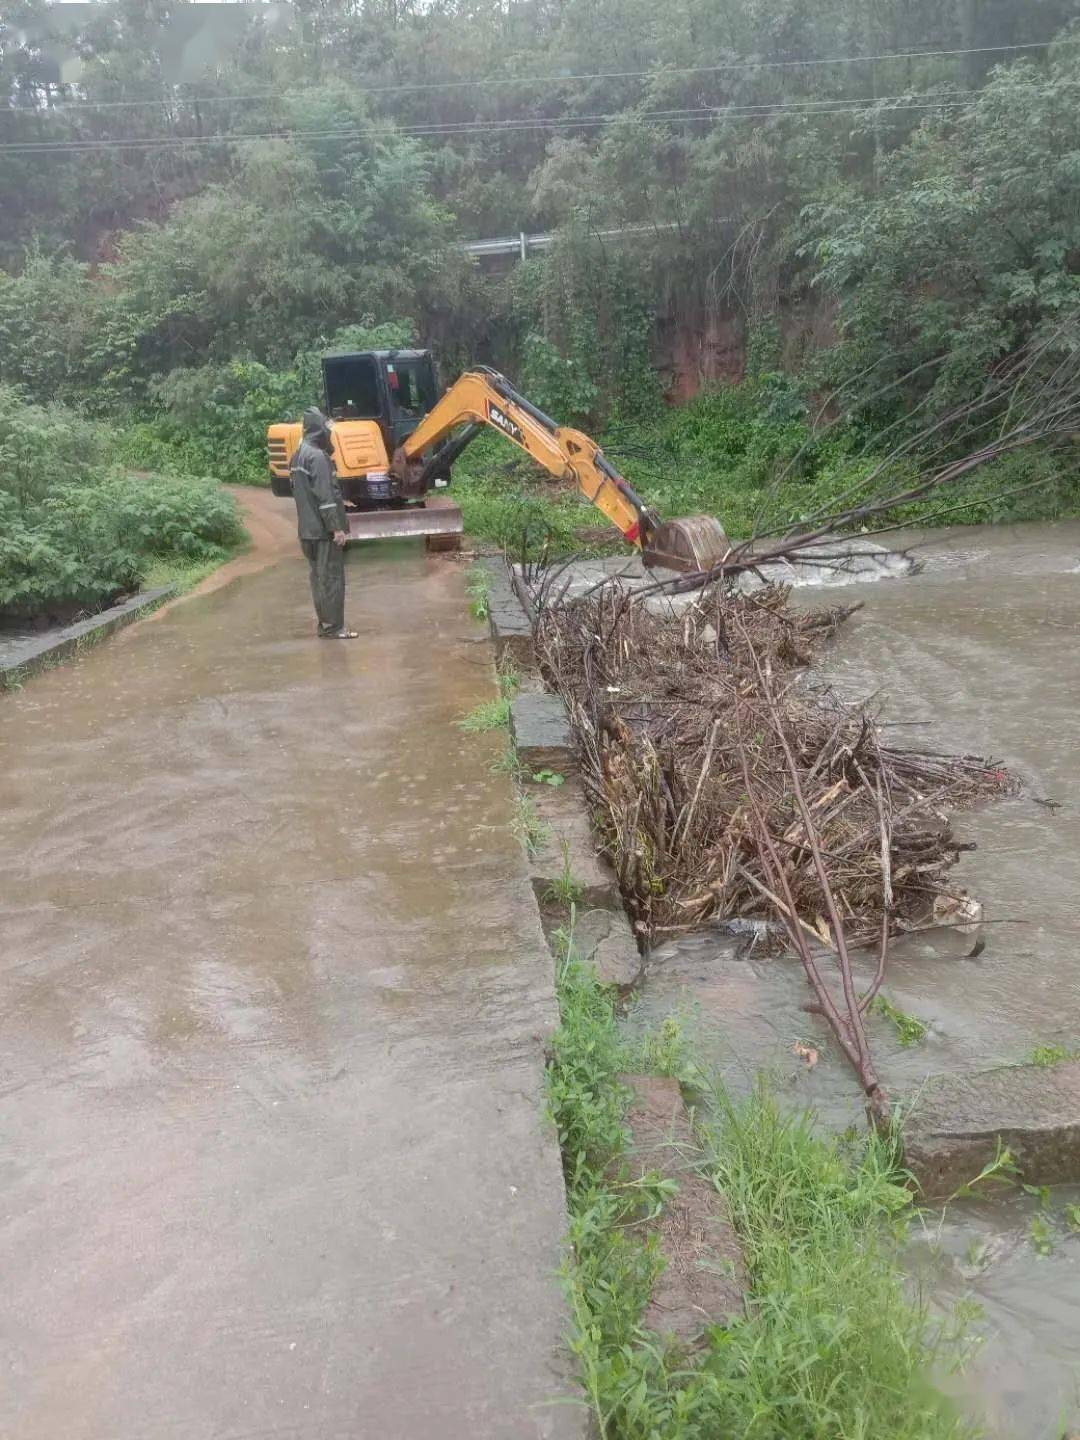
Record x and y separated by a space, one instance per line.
339 635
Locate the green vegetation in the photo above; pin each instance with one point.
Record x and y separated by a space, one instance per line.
831 1345
488 715
565 890
527 825
1042 1235
551 778
857 265
76 529
478 589
909 1029
1047 1056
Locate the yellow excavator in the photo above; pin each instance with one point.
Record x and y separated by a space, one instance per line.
395 441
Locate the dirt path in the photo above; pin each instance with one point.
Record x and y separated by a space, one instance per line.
273 1002
271 527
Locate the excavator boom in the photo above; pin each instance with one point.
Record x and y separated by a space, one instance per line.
483 397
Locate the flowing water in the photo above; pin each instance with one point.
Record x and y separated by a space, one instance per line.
976 653
273 1000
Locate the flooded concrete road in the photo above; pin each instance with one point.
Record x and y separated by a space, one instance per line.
977 654
273 1002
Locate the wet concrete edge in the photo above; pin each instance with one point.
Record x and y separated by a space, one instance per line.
57 645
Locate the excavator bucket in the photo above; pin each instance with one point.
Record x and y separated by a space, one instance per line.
437 520
696 543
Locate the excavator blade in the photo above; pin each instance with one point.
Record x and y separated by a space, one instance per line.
437 520
696 543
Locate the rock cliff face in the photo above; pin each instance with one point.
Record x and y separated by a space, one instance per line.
694 352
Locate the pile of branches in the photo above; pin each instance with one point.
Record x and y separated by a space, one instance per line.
702 742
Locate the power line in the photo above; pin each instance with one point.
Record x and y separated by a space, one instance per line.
883 105
489 82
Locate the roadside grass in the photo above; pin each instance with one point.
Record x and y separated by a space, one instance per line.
490 714
831 1344
478 589
527 825
186 574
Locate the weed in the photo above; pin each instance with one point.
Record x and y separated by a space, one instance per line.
1040 1193
565 890
976 1254
665 1051
488 715
527 825
1001 1170
509 677
956 1339
478 589
1047 1056
909 1029
1042 1237
507 762
1072 1216
548 777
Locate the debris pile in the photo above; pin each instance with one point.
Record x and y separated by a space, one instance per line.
723 782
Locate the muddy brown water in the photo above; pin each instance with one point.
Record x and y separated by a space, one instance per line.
984 647
273 1000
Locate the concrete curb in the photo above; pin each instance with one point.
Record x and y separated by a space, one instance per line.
40 652
511 631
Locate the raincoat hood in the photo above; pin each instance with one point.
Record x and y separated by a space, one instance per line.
316 427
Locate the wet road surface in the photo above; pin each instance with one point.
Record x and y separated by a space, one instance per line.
273 1000
977 654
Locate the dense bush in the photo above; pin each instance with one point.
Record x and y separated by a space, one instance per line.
76 529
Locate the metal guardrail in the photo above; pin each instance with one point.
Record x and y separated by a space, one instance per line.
522 244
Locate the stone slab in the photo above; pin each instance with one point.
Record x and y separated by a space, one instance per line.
541 733
511 629
704 1281
957 1123
25 651
568 846
605 940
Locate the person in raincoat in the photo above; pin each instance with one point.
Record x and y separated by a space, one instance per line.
322 523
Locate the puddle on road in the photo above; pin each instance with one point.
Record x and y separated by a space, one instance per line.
976 654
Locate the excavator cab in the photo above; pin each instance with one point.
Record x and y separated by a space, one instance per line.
394 388
375 400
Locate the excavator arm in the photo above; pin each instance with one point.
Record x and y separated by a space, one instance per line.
483 397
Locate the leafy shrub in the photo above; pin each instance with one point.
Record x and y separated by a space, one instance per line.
74 530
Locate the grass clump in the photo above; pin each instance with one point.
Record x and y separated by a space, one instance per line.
490 714
1047 1056
909 1028
478 589
564 889
830 1346
527 825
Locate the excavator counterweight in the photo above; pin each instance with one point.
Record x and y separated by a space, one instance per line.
394 441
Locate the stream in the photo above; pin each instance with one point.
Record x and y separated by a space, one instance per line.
976 653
